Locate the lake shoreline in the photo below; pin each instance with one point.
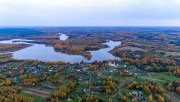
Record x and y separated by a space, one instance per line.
45 53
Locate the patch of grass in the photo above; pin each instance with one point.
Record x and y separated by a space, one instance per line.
161 78
47 85
37 98
166 55
166 77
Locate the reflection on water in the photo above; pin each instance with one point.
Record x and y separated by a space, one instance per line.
15 41
104 54
63 36
44 53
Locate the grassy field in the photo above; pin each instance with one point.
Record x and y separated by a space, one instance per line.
37 98
160 78
165 77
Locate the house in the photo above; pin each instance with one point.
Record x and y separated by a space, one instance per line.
125 71
55 69
86 81
130 93
84 90
37 70
113 64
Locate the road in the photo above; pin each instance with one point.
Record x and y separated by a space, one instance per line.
120 86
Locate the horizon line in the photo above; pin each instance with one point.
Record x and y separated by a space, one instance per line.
86 26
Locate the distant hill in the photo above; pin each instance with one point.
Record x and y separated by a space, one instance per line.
26 31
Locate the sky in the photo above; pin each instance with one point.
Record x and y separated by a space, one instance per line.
89 12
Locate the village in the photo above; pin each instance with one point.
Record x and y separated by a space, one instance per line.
98 81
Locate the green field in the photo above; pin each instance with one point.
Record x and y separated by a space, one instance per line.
37 98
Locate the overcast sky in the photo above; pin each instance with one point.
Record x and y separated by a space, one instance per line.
89 12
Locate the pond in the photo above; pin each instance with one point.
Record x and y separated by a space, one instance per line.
44 53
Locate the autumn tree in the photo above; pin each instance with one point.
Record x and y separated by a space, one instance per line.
150 98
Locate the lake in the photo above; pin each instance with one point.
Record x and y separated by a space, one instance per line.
44 53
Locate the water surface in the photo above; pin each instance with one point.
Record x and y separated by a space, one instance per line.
44 53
